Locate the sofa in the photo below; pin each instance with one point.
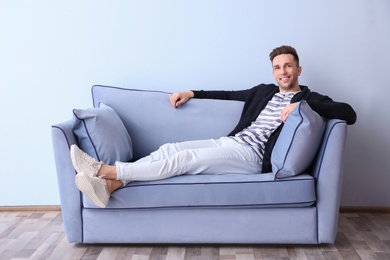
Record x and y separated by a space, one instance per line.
283 206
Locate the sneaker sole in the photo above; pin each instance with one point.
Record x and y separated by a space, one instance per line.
85 187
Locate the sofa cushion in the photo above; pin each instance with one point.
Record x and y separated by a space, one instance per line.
298 142
102 134
219 190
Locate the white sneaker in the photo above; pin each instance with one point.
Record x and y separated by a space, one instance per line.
82 162
94 188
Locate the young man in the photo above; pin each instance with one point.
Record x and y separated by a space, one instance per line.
245 150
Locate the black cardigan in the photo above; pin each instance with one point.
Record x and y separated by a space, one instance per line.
257 98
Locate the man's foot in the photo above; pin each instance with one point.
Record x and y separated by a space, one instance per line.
82 162
94 188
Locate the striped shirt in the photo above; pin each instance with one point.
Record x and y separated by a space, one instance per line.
256 135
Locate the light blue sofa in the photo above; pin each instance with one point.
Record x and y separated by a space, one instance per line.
222 208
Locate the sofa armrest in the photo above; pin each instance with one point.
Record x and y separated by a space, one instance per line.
328 171
63 138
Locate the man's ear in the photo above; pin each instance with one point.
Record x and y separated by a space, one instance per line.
299 70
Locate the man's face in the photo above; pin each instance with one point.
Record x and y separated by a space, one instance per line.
286 72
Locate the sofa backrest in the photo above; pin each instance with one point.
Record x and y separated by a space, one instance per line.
152 121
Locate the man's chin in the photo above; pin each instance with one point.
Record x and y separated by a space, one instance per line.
285 86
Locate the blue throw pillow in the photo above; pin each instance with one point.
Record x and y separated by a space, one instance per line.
102 134
298 142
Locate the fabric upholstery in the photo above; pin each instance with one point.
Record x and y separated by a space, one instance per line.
151 120
298 142
219 190
102 135
201 225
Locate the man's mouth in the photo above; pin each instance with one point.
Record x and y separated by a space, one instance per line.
284 78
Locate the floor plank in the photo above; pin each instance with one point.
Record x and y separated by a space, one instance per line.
40 235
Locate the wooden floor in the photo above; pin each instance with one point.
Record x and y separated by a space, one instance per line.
40 235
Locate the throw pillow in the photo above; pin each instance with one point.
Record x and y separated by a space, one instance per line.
298 142
102 134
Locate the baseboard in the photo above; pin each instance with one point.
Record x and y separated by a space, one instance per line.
30 208
343 209
365 209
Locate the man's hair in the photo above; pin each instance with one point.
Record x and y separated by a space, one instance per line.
284 49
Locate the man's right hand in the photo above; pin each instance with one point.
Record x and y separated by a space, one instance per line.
179 98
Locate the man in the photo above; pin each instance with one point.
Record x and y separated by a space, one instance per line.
245 150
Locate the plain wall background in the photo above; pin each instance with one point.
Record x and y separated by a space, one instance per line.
52 52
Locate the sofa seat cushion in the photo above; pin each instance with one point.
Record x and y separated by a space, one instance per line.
230 190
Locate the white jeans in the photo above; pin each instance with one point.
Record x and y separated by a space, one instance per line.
214 156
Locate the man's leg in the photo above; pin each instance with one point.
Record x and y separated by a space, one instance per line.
219 156
212 156
165 151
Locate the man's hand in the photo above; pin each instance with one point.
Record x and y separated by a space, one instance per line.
179 98
287 110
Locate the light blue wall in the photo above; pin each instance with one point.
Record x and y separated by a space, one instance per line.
52 52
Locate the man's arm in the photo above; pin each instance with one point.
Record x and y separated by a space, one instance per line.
179 98
325 106
332 109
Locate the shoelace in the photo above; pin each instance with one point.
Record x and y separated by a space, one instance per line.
91 163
